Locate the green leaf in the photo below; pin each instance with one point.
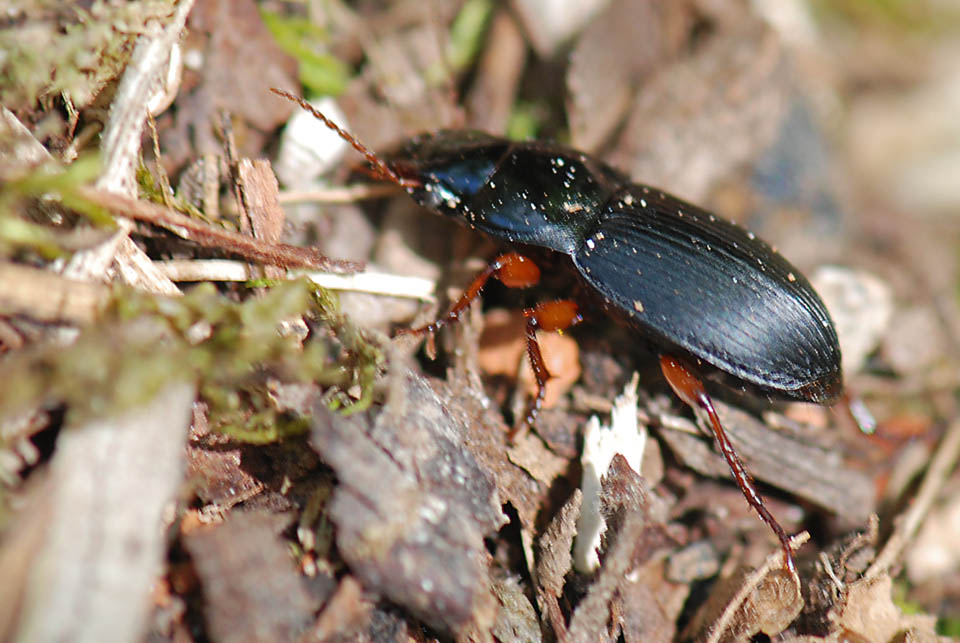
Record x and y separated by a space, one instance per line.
320 72
466 33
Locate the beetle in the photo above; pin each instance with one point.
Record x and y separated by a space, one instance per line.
710 296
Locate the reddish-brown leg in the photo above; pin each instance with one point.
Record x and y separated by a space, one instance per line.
554 316
690 389
515 271
512 268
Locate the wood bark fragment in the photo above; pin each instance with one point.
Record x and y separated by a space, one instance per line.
631 538
259 190
252 591
812 472
555 560
112 480
140 87
46 296
413 506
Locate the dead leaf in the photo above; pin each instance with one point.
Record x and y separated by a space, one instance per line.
237 60
650 31
697 120
251 588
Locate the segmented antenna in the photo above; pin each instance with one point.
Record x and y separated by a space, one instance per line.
383 171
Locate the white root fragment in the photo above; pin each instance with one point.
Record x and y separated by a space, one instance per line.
600 444
370 281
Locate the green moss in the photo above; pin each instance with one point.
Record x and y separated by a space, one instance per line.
907 17
235 351
54 48
18 233
525 121
949 626
148 185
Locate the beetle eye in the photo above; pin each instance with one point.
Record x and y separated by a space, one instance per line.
465 178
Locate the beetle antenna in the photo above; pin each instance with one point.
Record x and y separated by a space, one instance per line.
381 169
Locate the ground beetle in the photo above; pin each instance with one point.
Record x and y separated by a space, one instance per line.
709 295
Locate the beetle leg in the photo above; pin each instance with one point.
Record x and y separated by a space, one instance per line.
512 268
554 316
691 390
515 271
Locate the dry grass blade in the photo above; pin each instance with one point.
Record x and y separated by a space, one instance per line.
368 281
271 254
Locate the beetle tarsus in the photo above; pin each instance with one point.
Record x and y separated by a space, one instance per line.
691 390
540 371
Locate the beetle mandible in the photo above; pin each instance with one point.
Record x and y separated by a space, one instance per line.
708 294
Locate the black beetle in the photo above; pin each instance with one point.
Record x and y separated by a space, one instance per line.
709 295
